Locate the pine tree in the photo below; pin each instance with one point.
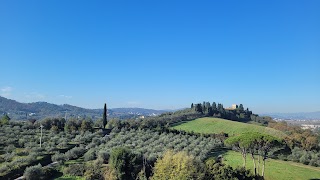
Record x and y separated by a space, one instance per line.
241 107
198 108
105 116
214 107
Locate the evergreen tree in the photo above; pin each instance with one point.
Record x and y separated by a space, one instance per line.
207 107
210 111
198 108
192 106
204 106
105 116
214 107
241 107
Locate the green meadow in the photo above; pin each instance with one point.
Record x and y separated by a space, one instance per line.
276 169
218 125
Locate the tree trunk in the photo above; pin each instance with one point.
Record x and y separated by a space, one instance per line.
263 166
258 163
254 164
244 160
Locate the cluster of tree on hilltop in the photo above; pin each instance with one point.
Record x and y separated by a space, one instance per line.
239 113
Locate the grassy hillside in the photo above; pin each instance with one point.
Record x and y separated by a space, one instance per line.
217 125
276 169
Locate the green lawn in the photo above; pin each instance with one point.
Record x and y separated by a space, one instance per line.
217 125
276 169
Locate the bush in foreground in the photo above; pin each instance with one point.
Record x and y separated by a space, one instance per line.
74 170
177 166
33 172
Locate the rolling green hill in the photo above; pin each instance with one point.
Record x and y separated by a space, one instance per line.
276 169
217 125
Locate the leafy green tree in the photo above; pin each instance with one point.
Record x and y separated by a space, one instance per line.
251 142
124 163
86 125
240 143
72 125
176 166
265 143
5 119
104 115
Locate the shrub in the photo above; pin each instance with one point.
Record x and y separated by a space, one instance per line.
9 148
48 172
4 168
90 155
22 153
103 156
93 171
74 170
75 152
282 157
59 157
214 169
305 158
33 172
8 156
2 159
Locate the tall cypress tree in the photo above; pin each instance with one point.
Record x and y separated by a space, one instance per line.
105 115
214 107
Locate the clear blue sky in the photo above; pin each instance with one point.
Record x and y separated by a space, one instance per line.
162 54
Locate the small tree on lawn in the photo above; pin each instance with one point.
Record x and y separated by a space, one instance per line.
254 142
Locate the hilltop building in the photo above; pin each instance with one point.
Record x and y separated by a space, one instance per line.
233 107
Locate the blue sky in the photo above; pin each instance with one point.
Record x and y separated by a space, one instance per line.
162 54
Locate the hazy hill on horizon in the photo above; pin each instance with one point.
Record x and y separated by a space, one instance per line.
296 116
40 110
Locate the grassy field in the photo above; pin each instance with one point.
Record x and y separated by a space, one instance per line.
217 125
276 169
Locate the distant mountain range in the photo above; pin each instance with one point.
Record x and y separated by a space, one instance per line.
296 116
40 110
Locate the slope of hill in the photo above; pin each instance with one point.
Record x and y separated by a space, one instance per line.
218 125
39 110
